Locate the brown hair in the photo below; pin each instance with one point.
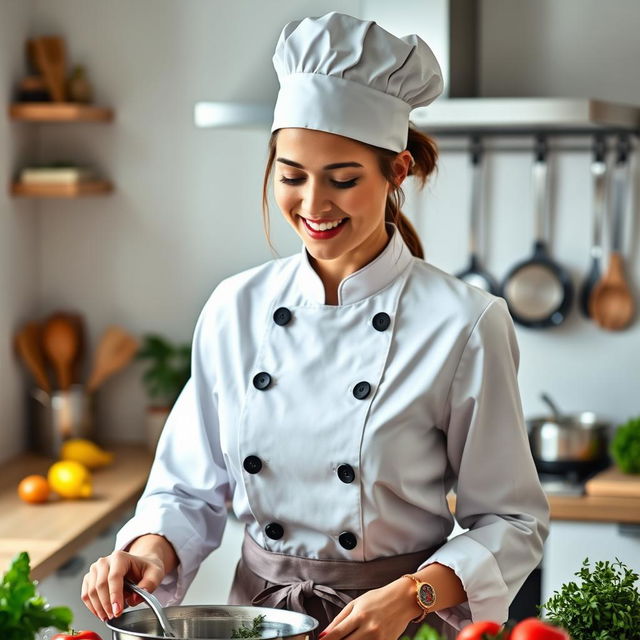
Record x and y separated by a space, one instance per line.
424 152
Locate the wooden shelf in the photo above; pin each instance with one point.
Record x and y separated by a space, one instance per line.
59 112
88 188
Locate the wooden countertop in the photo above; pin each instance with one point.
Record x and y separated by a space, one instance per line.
54 531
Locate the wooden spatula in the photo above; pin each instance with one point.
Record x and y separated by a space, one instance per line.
60 343
50 57
27 344
115 350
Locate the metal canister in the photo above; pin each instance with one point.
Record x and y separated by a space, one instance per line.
58 416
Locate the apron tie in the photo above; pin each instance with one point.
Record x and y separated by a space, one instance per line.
292 596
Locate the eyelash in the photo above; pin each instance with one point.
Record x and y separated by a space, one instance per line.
336 183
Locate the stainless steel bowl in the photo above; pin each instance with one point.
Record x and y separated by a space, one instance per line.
204 622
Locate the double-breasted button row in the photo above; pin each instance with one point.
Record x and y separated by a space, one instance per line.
347 540
282 317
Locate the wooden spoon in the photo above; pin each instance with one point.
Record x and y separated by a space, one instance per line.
611 303
27 343
60 343
115 350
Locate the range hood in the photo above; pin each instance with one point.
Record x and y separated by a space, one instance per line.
450 26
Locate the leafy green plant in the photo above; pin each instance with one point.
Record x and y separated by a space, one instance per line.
22 611
606 606
168 371
625 446
254 631
426 632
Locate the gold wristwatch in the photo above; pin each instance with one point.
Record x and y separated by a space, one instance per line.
425 596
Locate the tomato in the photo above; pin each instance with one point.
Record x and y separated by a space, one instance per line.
535 629
77 635
480 630
34 489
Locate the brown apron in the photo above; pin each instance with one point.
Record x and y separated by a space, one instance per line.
319 588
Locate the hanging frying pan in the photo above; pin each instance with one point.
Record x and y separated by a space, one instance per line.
474 274
538 291
599 176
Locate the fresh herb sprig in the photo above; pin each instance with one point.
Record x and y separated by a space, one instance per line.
22 611
254 631
606 606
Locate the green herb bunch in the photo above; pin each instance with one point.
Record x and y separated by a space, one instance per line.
625 446
254 631
169 368
22 611
606 606
426 632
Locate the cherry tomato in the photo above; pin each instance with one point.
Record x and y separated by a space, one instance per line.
77 635
480 630
535 629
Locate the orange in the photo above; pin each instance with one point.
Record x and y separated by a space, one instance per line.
34 489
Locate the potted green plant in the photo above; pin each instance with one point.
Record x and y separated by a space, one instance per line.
167 372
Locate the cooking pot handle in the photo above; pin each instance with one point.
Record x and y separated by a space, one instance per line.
155 606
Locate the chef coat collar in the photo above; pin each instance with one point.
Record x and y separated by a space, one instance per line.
365 282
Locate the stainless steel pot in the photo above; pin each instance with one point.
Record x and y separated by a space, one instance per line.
215 622
575 442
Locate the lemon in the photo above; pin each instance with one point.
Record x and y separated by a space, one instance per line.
70 479
85 452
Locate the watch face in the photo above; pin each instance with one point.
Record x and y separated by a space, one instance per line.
426 594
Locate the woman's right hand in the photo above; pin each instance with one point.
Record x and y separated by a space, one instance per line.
102 586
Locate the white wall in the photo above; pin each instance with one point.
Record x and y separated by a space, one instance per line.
186 211
19 251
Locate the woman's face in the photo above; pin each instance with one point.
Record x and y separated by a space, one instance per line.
321 179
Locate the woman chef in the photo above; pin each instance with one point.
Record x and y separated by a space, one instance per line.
337 395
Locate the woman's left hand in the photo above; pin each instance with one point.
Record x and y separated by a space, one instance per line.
379 614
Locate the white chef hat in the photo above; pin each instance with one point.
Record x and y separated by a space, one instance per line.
351 77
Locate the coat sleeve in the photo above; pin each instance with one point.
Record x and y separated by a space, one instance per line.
498 497
185 496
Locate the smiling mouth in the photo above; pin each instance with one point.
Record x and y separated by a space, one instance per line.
323 225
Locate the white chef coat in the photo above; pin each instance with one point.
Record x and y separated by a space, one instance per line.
439 407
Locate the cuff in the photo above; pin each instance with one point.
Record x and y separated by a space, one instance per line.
475 565
174 585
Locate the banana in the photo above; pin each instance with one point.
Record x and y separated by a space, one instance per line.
85 452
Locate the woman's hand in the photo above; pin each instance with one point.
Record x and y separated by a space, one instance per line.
379 614
148 560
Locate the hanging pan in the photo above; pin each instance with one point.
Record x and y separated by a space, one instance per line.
599 177
538 291
474 274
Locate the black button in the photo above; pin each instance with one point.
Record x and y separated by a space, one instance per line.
261 380
252 464
346 473
347 540
282 316
274 530
362 390
381 321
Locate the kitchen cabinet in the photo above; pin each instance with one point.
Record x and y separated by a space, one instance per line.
570 542
60 113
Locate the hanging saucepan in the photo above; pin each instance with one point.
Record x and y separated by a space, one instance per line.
538 291
204 622
474 274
